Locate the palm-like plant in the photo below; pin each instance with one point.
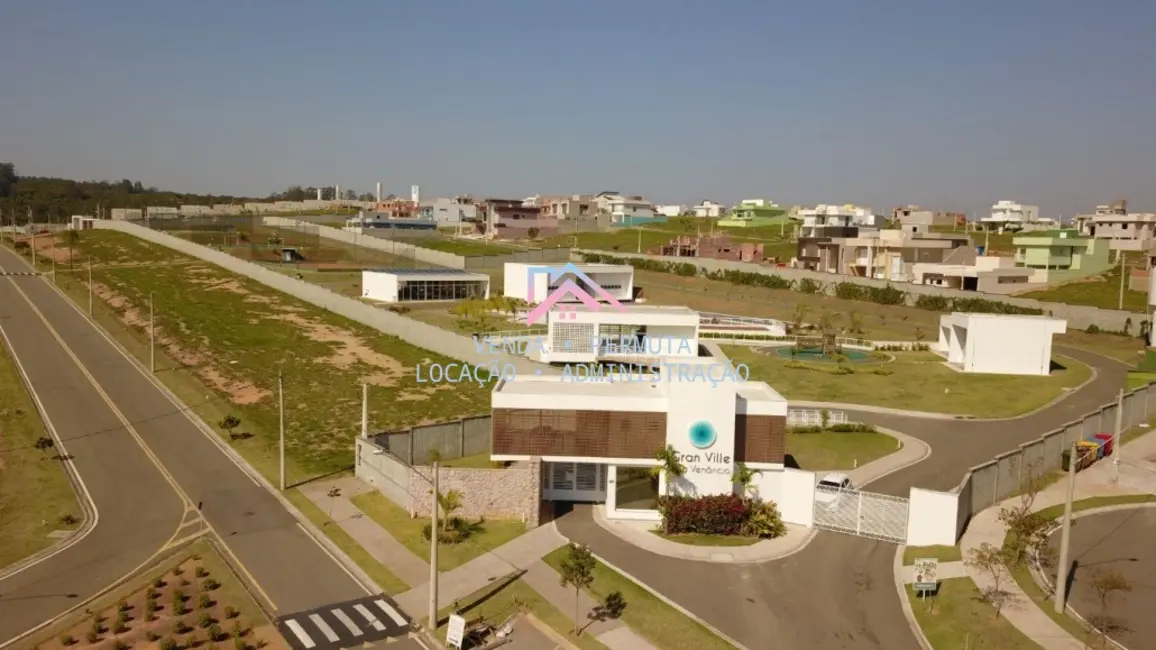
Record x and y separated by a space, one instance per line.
449 503
743 477
670 466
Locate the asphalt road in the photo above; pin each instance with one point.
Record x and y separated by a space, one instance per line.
839 592
1124 541
138 509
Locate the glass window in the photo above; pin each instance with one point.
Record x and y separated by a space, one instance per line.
636 489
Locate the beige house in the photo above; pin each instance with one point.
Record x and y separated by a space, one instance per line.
1124 231
882 254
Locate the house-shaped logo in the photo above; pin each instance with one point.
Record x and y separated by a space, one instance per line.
569 287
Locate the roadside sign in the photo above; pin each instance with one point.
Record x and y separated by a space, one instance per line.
926 572
456 631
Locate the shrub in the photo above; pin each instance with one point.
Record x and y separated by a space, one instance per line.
92 637
178 571
458 531
765 521
158 583
230 612
239 644
201 572
807 285
123 606
181 627
205 619
721 514
119 628
121 644
168 644
204 602
67 640
216 633
238 630
209 584
152 636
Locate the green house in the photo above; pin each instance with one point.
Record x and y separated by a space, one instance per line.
1061 255
753 213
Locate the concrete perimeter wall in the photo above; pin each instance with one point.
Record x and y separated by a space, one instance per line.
511 493
1078 316
1005 475
450 440
427 255
416 333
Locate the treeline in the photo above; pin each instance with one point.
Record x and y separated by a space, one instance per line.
886 295
56 199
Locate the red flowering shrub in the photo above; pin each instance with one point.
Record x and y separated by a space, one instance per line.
720 514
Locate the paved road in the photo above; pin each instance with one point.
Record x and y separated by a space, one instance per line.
139 510
839 592
1124 541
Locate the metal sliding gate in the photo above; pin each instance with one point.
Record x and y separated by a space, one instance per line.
866 514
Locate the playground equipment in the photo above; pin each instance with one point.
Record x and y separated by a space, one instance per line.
826 345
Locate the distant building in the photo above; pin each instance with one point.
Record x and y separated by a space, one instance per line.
398 208
709 210
512 219
670 210
717 247
879 254
1061 255
914 215
626 211
1124 231
575 206
1009 215
126 214
753 213
848 215
447 212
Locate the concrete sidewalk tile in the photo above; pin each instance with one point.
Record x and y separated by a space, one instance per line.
624 638
543 579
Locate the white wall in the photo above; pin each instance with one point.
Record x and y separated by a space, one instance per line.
708 469
379 286
932 518
796 492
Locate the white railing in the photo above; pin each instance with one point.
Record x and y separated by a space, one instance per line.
706 319
814 418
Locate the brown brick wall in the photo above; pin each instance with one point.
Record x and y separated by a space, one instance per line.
597 434
760 438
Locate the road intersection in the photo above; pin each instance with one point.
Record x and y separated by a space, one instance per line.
146 466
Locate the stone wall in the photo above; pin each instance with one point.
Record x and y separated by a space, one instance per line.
511 493
1078 317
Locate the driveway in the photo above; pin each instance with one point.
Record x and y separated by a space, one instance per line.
839 592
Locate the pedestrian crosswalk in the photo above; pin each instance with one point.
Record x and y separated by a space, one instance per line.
19 273
344 625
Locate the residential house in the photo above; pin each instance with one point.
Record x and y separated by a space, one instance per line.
709 210
670 210
716 247
753 213
626 211
1124 231
848 215
511 219
398 208
448 212
969 271
1009 215
912 215
1061 255
879 254
575 206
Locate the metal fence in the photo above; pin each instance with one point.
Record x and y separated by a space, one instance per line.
445 440
1005 475
814 418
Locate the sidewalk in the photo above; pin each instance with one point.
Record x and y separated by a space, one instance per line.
1137 477
522 554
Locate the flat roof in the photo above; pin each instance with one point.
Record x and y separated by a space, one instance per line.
670 310
757 391
586 387
457 273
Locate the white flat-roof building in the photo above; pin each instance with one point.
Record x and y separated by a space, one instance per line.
998 343
630 334
1010 215
598 436
535 282
412 285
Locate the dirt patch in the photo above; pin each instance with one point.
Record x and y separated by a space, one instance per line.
211 281
349 351
239 392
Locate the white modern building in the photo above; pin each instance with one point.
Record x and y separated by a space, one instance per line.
1009 215
709 210
416 285
837 216
598 436
625 209
670 210
631 334
999 344
536 282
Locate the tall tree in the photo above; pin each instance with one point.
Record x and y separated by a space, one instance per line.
577 571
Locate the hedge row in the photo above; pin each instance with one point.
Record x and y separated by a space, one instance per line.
887 295
722 514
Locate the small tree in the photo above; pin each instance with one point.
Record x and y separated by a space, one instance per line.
743 477
43 444
670 465
995 561
577 571
824 419
449 503
229 423
1106 583
533 232
71 238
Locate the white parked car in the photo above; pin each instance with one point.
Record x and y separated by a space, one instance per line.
830 490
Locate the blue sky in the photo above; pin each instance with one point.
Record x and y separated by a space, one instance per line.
883 102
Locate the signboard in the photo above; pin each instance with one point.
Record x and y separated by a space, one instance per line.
926 570
456 631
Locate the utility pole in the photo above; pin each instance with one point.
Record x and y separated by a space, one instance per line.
1066 536
33 249
53 259
433 554
640 240
365 410
152 336
281 426
90 286
1122 279
1117 442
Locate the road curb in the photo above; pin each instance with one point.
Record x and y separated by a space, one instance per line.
905 602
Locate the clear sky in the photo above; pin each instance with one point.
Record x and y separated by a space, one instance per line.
880 102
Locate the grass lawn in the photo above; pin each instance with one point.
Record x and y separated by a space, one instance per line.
694 539
1102 291
502 599
35 492
919 382
408 531
941 553
377 571
833 450
221 339
1138 379
1023 575
1128 349
465 247
649 617
960 619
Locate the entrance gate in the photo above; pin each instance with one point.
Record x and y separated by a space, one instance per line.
584 482
866 514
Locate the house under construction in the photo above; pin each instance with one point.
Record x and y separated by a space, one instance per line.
718 247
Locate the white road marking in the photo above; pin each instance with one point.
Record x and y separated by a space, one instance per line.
300 633
391 612
347 622
324 627
369 617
